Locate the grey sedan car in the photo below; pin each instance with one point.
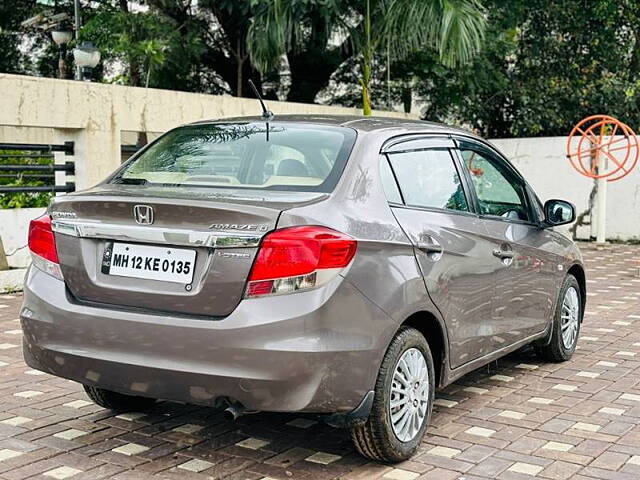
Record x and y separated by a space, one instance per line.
337 265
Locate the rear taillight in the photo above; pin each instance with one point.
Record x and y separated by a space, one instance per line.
42 244
299 258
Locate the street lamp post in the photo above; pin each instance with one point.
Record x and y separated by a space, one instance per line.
61 38
76 28
86 57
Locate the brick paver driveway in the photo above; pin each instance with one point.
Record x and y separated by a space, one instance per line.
517 419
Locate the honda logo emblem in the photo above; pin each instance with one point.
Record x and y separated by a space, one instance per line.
143 214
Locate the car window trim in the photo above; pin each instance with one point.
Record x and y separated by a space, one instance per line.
484 150
533 198
488 216
465 192
481 146
474 205
430 140
435 210
395 179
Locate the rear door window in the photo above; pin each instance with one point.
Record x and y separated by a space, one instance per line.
429 178
280 156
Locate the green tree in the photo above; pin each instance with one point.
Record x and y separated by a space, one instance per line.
454 28
220 27
12 58
544 66
572 61
309 44
477 94
137 40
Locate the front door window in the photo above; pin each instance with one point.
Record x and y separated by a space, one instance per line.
499 192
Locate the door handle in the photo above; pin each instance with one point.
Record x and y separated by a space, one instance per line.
503 253
431 247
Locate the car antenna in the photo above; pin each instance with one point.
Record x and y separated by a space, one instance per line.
267 115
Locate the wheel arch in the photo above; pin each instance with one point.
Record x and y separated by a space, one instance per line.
434 332
578 272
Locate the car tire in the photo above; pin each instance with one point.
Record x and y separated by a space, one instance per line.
377 438
118 401
566 324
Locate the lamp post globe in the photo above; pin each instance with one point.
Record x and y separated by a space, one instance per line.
61 37
86 56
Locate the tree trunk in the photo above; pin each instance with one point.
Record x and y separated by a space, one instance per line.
366 63
407 97
239 77
312 65
310 73
240 58
366 78
134 74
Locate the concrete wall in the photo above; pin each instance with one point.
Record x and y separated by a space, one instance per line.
95 115
543 163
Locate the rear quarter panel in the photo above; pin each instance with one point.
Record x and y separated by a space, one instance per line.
384 269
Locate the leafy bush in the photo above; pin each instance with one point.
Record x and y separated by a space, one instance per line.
23 200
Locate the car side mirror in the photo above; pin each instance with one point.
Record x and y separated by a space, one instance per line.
558 212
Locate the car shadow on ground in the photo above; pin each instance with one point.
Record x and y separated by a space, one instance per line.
279 443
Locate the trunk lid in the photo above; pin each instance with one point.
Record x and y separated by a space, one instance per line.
223 228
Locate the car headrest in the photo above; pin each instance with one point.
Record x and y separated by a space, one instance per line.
290 167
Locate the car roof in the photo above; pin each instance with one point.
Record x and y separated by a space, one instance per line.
361 123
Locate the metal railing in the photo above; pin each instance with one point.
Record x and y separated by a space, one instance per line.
66 147
36 171
129 149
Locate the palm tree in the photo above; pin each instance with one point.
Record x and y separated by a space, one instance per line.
455 28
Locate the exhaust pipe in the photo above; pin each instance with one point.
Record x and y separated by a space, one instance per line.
234 411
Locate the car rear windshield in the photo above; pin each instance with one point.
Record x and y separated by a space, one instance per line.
278 156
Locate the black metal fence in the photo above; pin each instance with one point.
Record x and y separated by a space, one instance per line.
126 151
22 169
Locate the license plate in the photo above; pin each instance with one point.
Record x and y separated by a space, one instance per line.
152 263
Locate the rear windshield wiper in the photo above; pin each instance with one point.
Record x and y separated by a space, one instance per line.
131 181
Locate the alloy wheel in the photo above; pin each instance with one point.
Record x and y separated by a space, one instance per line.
570 317
409 397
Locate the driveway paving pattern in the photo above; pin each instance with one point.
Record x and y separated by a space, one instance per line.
515 419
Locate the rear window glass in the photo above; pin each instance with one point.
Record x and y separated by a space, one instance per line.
245 155
428 178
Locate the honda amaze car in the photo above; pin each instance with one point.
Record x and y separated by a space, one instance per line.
343 266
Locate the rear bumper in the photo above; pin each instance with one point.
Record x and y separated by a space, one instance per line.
314 351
